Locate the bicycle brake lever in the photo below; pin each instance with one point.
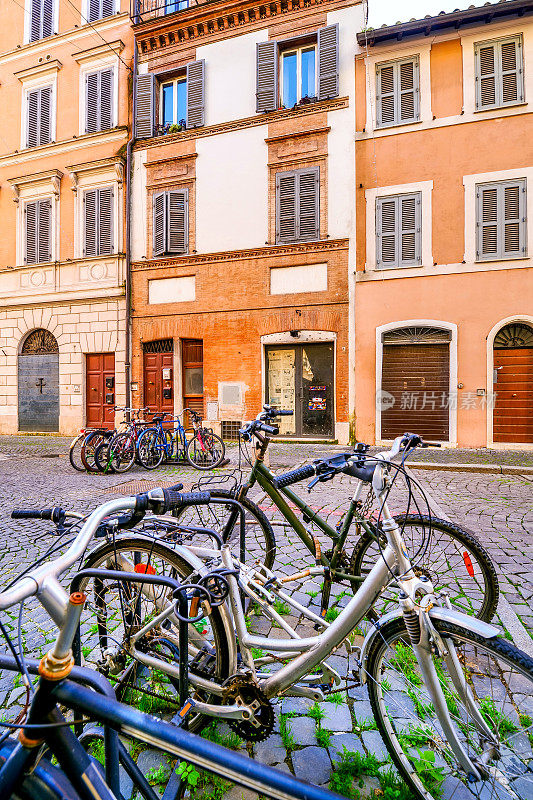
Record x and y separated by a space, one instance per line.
313 483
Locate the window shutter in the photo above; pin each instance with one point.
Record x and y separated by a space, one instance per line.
177 224
486 76
159 224
105 221
385 95
90 218
386 231
266 76
30 233
94 10
286 222
48 18
145 111
105 78
511 64
44 239
308 204
328 62
195 93
488 222
32 134
408 91
410 224
108 8
91 102
514 222
45 98
35 21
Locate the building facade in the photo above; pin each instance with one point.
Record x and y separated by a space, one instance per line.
243 224
65 72
444 167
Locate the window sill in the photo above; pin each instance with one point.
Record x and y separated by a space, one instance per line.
401 124
500 108
523 257
377 268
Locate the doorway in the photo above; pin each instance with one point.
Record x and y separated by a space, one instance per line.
158 358
100 390
513 385
301 378
38 383
192 353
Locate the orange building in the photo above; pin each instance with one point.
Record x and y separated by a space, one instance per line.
444 285
64 73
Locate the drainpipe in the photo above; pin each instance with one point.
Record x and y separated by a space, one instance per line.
127 365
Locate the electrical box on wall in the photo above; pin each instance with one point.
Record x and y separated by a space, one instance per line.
110 397
167 374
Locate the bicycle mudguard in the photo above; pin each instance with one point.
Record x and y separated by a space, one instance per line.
45 782
450 615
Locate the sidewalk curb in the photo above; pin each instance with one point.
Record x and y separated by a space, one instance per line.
494 469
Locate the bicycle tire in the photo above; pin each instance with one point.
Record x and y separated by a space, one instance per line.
168 562
89 448
74 452
476 592
101 458
123 449
149 457
260 537
477 655
204 457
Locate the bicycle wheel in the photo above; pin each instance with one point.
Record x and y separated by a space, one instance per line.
121 608
123 450
205 450
150 449
454 560
91 442
260 538
102 457
74 453
500 678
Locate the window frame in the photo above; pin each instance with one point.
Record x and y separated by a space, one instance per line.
114 221
398 231
182 78
30 201
166 193
92 67
500 255
396 64
297 173
498 73
33 86
86 9
298 49
27 22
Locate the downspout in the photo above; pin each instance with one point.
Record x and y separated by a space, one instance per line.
127 287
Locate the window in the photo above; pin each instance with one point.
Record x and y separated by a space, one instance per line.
298 75
398 92
98 221
297 205
99 100
174 102
499 73
175 5
399 231
41 19
501 220
38 231
98 9
170 231
39 116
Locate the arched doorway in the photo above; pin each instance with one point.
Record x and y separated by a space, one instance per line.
38 382
513 384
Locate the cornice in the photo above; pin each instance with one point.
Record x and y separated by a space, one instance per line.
99 51
272 251
54 148
116 162
297 134
246 122
52 176
40 69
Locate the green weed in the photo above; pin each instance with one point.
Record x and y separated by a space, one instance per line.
281 607
286 733
323 737
336 697
494 718
188 773
159 776
332 614
316 713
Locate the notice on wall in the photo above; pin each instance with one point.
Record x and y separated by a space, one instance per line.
281 374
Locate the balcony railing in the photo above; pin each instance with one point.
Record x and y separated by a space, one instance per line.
144 10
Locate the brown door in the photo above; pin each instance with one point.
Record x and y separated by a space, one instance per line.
416 376
513 385
193 375
100 390
158 375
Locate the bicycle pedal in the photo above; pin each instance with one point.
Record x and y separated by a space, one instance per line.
184 712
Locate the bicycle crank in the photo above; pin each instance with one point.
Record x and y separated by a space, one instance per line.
240 690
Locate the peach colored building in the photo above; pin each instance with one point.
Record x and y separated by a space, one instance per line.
444 284
64 72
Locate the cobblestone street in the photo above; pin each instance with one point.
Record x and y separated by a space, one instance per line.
36 473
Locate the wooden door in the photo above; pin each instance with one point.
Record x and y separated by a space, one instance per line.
192 353
100 390
158 376
513 385
417 377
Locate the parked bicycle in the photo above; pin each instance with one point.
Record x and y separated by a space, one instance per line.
167 442
118 452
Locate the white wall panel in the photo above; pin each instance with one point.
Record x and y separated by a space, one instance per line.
138 207
232 191
172 290
294 280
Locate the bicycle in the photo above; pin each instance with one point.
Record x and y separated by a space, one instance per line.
26 770
456 556
205 450
118 452
450 699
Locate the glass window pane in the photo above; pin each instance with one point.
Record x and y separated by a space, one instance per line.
308 73
170 6
289 80
182 101
194 380
168 104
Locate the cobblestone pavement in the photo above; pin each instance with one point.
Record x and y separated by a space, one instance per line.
35 473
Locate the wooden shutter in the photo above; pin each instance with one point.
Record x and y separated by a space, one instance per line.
35 21
399 231
145 106
385 95
177 225
44 240
94 10
39 117
514 220
328 62
90 202
408 90
30 233
159 229
38 232
501 220
308 204
486 76
32 134
266 76
499 73
410 230
512 88
105 221
387 231
91 103
105 78
48 18
398 92
487 197
286 217
108 8
195 93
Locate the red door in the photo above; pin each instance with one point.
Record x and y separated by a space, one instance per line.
513 407
100 390
158 376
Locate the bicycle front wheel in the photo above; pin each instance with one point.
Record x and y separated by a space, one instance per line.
500 679
205 450
453 559
74 453
150 449
123 451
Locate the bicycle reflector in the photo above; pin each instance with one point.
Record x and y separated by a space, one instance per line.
468 564
146 569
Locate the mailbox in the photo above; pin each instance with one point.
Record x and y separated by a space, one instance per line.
110 382
167 373
167 394
110 397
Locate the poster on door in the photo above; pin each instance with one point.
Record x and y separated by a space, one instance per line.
281 374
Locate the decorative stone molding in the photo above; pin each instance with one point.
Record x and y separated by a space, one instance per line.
42 69
115 164
38 179
100 51
74 180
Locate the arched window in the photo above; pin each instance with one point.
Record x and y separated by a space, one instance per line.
39 342
517 334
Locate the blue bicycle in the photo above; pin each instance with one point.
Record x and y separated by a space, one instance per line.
204 450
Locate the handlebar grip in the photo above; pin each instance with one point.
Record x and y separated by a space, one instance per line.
432 444
176 488
363 473
32 513
273 430
175 500
294 476
286 413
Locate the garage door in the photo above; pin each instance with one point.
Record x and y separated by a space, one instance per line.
416 383
513 385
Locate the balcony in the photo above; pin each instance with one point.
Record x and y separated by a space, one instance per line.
145 10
